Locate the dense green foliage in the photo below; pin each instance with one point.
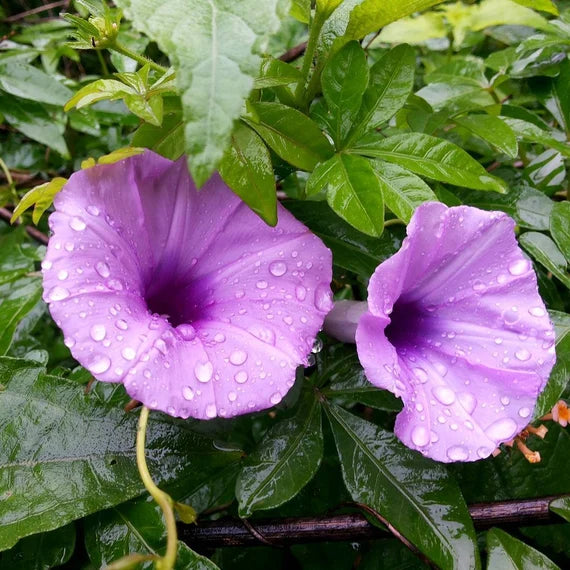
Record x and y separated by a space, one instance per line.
393 104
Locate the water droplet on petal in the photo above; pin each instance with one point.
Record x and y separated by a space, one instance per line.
58 294
241 377
121 324
93 210
523 354
77 224
128 353
98 332
276 398
232 396
261 284
220 337
187 331
524 412
323 298
62 274
69 342
99 364
204 371
420 436
103 269
115 284
160 345
262 333
502 429
537 311
277 268
505 400
518 267
300 293
444 395
188 393
483 452
238 357
47 265
420 374
458 453
468 401
211 411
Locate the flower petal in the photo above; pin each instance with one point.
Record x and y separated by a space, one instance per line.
459 305
136 238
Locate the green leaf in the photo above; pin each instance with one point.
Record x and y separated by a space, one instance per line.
41 551
35 122
415 495
431 157
246 168
137 526
28 82
556 97
561 372
560 227
403 191
275 72
370 15
100 90
78 455
543 5
291 134
533 209
492 129
459 96
528 132
561 507
391 82
40 197
416 30
215 49
546 171
544 250
344 80
353 191
352 250
507 553
301 10
168 139
285 460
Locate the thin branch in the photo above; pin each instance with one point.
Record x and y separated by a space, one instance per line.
33 232
37 10
293 53
349 527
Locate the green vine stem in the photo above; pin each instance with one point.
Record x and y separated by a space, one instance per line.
164 500
124 50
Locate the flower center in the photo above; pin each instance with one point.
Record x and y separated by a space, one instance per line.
173 301
408 324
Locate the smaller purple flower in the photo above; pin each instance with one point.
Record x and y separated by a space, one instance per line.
455 327
188 298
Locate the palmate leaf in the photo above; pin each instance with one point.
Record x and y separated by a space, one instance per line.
214 46
415 495
66 454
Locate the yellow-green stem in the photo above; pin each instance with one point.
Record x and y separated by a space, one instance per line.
164 500
124 50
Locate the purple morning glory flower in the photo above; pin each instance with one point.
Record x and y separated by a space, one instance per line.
455 327
188 298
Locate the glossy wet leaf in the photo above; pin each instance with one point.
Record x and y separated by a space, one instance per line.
546 171
284 462
403 191
40 197
529 132
431 157
344 80
493 130
353 191
412 493
246 168
29 82
215 50
506 553
78 453
556 97
561 507
275 72
291 134
545 251
533 209
41 551
560 227
352 250
390 84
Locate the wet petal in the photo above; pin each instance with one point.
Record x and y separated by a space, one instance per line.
473 340
164 288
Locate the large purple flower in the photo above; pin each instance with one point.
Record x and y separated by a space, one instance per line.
456 328
187 298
